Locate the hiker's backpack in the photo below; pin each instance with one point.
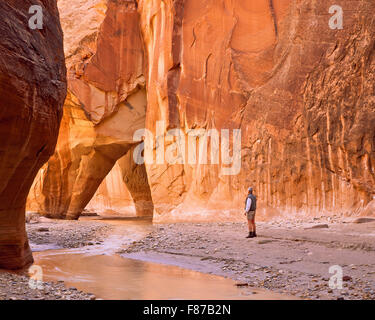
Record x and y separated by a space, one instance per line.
253 202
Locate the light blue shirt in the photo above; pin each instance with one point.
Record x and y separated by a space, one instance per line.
248 204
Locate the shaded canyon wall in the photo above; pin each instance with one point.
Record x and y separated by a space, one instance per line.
32 92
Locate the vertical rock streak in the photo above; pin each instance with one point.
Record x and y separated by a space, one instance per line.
272 9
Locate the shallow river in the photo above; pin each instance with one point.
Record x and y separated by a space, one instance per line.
99 270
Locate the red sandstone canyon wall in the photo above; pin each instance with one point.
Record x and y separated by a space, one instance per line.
32 91
301 94
106 103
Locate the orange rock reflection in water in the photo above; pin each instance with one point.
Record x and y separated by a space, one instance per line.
114 277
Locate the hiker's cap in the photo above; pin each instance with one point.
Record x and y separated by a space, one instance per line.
250 189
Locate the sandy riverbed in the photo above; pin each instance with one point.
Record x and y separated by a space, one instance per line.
62 234
287 257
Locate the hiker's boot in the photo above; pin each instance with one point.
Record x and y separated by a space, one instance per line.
250 235
254 234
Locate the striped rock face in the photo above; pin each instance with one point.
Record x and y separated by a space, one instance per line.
299 92
32 92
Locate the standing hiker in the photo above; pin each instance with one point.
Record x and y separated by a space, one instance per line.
250 208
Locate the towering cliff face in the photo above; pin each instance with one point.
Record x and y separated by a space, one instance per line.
32 91
106 103
299 94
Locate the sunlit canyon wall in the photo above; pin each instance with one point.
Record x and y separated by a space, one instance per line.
106 103
301 93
